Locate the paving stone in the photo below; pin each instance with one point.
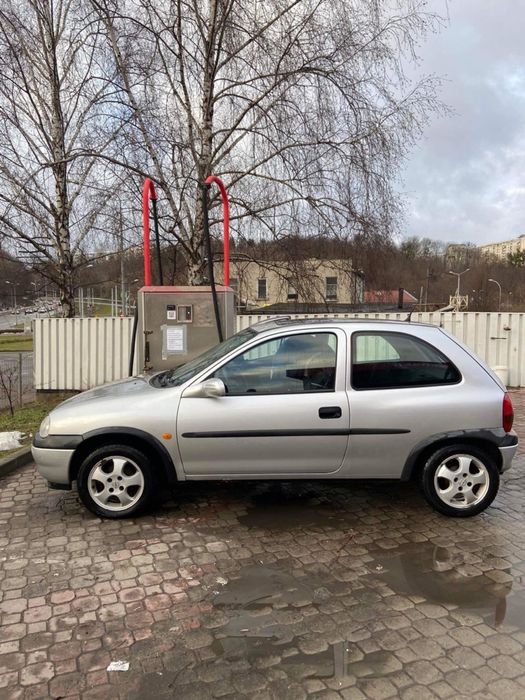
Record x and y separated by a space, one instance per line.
464 682
466 637
506 688
418 692
377 688
442 690
465 657
423 672
506 666
504 644
36 673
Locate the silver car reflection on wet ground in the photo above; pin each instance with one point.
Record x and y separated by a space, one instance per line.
283 399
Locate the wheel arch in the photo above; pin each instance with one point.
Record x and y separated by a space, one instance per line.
420 454
131 437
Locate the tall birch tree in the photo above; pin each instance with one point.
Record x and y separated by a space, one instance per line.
56 97
303 107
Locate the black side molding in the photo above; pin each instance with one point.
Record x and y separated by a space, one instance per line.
295 433
267 433
57 442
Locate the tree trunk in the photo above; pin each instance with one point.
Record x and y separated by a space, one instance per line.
66 290
196 266
197 263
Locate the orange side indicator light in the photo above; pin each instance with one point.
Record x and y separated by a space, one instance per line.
167 436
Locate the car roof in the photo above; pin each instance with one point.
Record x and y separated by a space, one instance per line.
288 321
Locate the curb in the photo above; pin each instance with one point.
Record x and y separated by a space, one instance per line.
19 459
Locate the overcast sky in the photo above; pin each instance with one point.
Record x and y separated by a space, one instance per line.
465 180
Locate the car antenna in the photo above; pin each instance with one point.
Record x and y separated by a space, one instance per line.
409 317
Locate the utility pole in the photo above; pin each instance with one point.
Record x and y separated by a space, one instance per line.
429 275
13 285
499 287
123 305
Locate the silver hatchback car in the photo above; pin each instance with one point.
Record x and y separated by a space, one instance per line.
283 399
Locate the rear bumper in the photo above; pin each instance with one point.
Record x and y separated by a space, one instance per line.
53 464
507 452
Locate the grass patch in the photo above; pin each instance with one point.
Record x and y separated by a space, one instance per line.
27 418
16 343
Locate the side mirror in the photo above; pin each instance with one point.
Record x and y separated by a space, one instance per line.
208 389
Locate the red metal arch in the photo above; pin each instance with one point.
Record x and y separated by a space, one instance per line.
148 193
226 225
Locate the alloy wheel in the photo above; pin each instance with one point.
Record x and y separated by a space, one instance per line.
461 481
116 483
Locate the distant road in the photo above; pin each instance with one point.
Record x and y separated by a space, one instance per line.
8 320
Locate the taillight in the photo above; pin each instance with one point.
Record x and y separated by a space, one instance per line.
508 414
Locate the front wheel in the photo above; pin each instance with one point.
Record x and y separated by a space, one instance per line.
116 481
460 480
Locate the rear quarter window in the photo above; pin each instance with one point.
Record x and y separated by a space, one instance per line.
390 360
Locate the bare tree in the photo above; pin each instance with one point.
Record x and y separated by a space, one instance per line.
9 378
55 103
302 106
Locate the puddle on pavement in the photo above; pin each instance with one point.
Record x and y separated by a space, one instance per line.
156 686
283 507
266 626
337 661
262 605
445 575
265 621
260 585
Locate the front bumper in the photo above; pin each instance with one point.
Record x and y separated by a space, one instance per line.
52 456
53 464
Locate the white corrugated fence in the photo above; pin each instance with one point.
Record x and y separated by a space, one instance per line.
81 353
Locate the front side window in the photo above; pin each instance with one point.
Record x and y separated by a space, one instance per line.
261 288
292 364
396 360
180 375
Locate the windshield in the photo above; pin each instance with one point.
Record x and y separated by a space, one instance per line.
179 375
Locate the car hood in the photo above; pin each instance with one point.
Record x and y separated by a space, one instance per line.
118 388
131 403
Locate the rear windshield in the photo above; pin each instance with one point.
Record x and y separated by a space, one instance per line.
182 374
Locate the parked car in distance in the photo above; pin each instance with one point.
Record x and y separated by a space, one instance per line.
283 399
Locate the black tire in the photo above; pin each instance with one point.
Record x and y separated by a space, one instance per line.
433 463
137 467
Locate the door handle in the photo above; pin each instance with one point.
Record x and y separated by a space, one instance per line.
330 412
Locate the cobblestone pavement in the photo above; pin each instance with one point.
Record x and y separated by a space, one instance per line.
287 590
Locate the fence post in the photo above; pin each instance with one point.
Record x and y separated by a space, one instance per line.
20 378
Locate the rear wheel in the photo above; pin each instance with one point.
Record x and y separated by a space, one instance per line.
460 480
116 481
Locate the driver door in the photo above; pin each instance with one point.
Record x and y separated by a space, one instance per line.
285 411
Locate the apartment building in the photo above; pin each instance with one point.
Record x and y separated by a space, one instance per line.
504 248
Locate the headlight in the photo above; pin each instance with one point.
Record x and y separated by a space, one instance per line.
45 427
